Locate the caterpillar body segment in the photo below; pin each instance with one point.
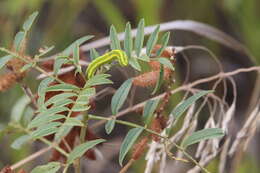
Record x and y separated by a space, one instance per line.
107 58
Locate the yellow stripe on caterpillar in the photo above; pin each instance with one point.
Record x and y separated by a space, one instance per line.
106 58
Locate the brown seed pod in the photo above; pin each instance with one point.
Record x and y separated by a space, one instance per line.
6 169
139 148
8 80
156 126
150 78
167 52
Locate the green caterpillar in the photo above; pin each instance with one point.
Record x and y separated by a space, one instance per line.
107 58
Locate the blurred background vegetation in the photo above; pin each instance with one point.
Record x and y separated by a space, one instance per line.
60 22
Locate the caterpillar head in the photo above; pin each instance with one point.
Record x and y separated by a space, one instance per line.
121 56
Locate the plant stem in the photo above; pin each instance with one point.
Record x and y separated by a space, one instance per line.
82 136
152 132
83 129
53 145
65 169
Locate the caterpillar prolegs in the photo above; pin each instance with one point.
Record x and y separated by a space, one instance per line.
107 58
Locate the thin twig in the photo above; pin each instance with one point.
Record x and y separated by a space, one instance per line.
182 88
29 93
30 158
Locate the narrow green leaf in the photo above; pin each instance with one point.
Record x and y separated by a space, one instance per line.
166 62
46 130
62 87
28 23
27 66
28 116
180 109
81 149
202 135
53 110
66 127
72 121
19 37
58 62
93 54
115 43
19 142
58 98
86 93
80 108
19 107
42 90
149 109
68 51
144 58
4 60
43 85
99 79
128 42
51 167
135 64
84 97
164 42
76 54
41 120
61 132
139 38
128 142
83 100
120 96
46 50
159 81
152 40
110 125
63 103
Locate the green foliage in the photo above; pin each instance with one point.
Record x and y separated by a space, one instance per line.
120 96
99 79
115 43
46 130
139 37
19 108
159 81
69 50
51 167
19 37
203 134
62 87
93 54
81 149
4 60
128 142
54 116
149 109
165 62
28 23
110 125
152 40
180 109
76 58
128 42
19 142
164 42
